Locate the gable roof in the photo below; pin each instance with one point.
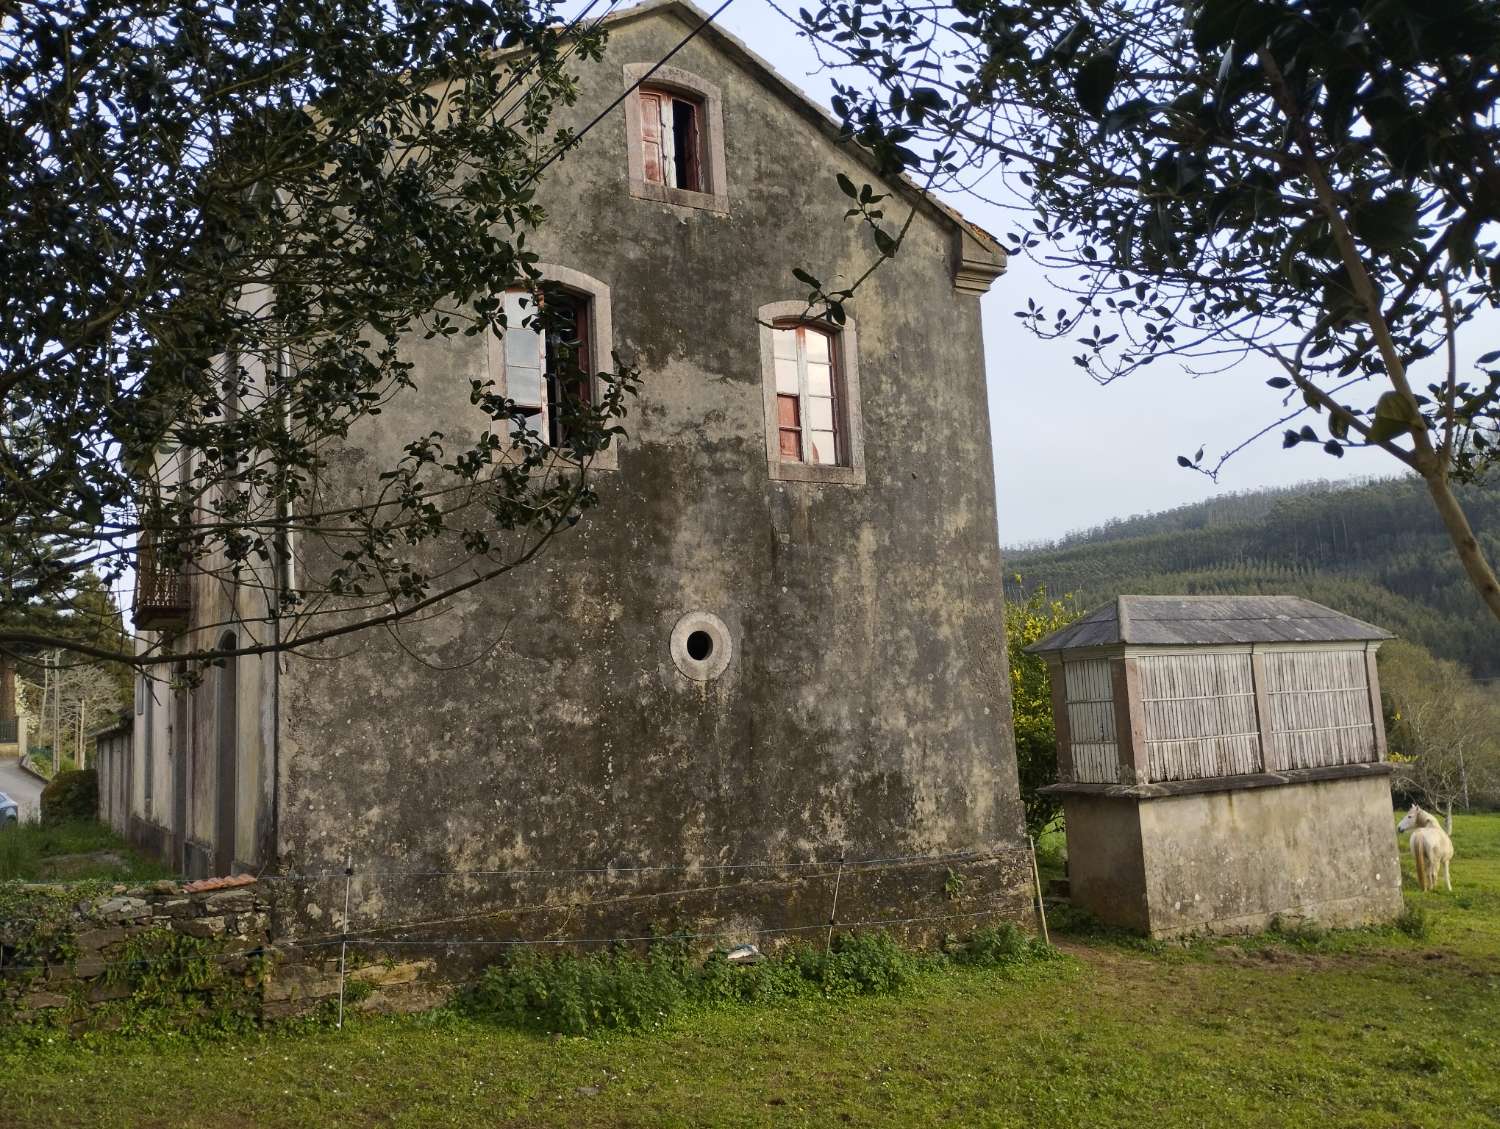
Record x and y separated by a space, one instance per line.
1208 620
980 255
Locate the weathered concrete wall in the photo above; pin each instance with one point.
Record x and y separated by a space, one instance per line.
1106 864
866 707
1231 861
178 730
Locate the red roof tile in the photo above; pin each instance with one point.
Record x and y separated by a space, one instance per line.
219 883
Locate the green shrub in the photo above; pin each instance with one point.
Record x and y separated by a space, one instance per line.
1299 931
1415 922
866 964
999 946
580 994
71 796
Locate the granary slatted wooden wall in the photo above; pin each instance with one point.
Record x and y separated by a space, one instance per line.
1320 708
1199 714
1091 721
1171 689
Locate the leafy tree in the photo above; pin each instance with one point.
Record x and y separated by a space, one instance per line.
1442 728
1316 184
84 611
1026 621
222 227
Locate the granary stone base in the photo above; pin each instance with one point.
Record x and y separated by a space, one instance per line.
1232 854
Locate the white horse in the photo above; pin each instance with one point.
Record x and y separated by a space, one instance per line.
1431 848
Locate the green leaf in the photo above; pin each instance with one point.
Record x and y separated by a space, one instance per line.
1394 406
1095 81
846 186
1383 429
1391 222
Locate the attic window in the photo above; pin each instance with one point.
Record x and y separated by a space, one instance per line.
674 137
671 140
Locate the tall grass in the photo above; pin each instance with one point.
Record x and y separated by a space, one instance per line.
25 849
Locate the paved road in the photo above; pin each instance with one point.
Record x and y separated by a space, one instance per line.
22 787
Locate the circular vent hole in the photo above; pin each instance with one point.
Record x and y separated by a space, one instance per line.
700 645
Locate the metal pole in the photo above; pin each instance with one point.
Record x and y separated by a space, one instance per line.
1036 874
344 941
833 911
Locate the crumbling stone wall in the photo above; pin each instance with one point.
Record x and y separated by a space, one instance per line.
67 951
82 956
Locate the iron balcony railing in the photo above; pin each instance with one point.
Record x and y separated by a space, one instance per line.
162 596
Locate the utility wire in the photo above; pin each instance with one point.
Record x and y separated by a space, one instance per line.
465 942
602 114
536 872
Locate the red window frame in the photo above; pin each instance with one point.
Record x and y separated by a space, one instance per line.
672 139
557 356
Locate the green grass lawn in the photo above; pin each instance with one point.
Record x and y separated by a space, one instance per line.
32 852
1368 1029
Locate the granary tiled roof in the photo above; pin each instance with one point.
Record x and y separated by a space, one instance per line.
1206 621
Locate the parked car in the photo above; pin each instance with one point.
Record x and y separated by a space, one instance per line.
10 811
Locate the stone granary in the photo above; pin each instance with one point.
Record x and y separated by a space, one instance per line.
1222 761
762 650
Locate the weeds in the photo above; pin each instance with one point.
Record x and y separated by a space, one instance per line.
1415 922
579 994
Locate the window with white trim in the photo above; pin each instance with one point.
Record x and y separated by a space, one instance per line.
548 367
807 394
810 374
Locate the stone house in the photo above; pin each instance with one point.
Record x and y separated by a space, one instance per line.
778 640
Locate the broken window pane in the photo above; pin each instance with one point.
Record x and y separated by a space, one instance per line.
822 448
786 376
685 145
819 376
820 413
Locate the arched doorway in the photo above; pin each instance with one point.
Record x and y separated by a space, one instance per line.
226 725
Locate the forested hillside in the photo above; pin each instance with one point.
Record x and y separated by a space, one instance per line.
1375 550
